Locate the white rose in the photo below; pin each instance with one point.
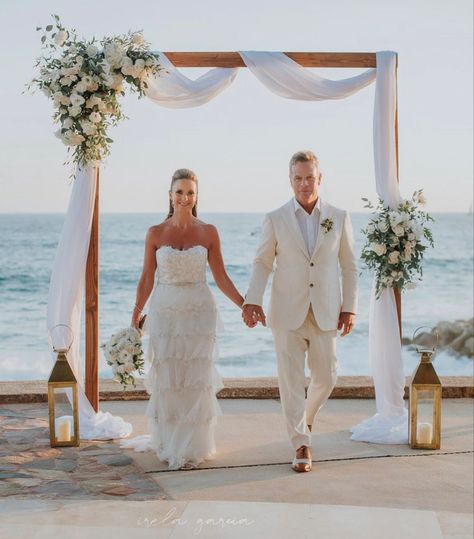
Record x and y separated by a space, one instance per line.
73 139
61 37
127 65
137 39
88 127
130 367
74 111
80 87
92 51
113 53
66 81
411 236
67 123
57 97
95 117
399 230
395 218
382 226
378 248
92 101
393 257
140 64
76 100
69 71
371 228
115 82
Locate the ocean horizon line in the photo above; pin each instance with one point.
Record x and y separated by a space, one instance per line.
211 212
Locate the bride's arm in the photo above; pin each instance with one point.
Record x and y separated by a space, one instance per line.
216 263
145 284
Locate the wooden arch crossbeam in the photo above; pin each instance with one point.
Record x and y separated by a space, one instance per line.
209 60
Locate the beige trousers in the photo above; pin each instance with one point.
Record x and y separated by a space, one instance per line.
291 348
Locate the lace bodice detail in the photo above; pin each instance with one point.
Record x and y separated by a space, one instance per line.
181 267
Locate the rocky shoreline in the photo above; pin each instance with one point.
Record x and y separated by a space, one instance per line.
457 336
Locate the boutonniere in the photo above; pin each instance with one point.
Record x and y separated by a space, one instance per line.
327 224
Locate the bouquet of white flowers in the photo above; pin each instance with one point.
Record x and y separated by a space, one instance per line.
84 78
124 353
395 243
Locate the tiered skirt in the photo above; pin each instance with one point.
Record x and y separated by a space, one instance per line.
182 380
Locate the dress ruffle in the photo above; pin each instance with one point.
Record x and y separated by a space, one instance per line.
182 379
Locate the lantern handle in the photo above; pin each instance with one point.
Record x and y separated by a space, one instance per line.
50 340
425 348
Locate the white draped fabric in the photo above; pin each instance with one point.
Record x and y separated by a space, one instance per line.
173 90
66 294
390 423
288 79
284 77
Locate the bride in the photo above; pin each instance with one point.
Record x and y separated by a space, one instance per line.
181 322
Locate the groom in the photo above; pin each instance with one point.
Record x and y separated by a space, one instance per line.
311 243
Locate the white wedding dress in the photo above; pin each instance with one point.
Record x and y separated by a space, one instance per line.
182 380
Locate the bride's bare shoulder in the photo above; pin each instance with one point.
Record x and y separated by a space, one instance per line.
207 228
155 231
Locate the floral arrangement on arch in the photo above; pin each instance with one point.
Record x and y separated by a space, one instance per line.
396 240
84 78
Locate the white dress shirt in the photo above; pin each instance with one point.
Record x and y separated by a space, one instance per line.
309 223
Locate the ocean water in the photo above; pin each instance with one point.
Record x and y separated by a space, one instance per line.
27 248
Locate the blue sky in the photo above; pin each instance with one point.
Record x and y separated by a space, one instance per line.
240 143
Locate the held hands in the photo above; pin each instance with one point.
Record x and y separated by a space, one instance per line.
346 323
252 315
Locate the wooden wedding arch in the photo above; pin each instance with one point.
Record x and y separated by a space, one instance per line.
198 59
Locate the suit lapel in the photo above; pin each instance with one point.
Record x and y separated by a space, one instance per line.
295 227
323 214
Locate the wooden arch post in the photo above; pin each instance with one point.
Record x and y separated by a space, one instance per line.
198 59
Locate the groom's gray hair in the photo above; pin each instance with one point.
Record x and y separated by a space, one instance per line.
303 157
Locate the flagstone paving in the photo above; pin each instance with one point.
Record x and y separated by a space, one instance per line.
30 468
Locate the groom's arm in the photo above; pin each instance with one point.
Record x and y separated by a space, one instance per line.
348 264
262 264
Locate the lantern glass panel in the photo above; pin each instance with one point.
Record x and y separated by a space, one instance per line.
425 416
63 414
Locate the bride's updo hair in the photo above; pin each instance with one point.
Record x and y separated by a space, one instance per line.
183 174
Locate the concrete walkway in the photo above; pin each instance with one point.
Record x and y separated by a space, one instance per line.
355 489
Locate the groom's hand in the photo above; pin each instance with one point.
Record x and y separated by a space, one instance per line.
252 315
346 323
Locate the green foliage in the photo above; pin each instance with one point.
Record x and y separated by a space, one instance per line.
396 240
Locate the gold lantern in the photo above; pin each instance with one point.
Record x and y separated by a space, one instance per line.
425 397
62 398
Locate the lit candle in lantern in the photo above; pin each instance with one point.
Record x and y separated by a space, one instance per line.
64 431
424 433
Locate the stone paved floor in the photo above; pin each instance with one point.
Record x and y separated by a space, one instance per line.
30 468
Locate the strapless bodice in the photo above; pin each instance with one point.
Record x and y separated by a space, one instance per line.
181 267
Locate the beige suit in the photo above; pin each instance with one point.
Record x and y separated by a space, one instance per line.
303 280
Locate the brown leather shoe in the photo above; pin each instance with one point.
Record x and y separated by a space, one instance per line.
302 460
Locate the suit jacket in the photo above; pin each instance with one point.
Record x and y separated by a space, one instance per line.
302 279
